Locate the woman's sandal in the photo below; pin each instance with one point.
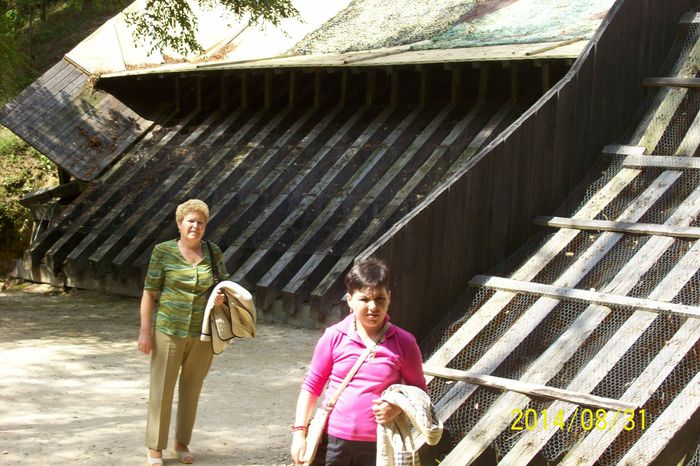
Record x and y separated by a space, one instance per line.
150 460
184 456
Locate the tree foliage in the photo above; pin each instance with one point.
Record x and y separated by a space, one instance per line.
172 24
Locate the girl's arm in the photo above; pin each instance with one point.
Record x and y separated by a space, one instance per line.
304 411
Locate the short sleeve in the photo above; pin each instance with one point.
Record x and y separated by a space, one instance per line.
412 364
154 276
321 365
219 258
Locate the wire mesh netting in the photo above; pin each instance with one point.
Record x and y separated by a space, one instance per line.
605 351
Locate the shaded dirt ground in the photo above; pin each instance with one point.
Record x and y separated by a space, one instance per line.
73 387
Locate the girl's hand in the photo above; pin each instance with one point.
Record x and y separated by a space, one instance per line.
384 412
298 446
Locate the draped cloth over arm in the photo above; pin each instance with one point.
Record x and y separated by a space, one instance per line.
235 318
394 442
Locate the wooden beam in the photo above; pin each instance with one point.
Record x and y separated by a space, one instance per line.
622 149
621 227
526 388
344 88
690 17
667 101
292 88
549 363
483 81
424 86
371 87
554 246
616 347
394 76
557 355
41 196
554 46
456 92
200 96
665 425
662 161
318 80
223 92
574 294
687 83
245 98
339 163
587 451
546 80
267 96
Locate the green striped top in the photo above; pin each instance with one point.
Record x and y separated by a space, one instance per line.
184 288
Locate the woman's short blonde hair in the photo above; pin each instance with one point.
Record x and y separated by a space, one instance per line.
193 205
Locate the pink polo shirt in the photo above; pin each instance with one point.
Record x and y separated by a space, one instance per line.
397 360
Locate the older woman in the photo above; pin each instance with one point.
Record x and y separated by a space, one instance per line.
180 275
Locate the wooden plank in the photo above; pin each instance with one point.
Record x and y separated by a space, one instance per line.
551 361
666 102
688 83
623 149
479 438
360 206
591 375
61 248
478 142
362 173
91 195
690 17
662 161
526 388
41 81
374 227
553 247
346 157
144 238
655 438
112 238
260 162
574 294
266 216
595 443
621 227
267 178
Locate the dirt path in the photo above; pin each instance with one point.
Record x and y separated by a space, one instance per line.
73 387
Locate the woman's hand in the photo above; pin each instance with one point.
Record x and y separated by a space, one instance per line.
145 342
298 446
384 412
219 298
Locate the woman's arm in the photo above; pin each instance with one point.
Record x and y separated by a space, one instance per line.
304 411
148 300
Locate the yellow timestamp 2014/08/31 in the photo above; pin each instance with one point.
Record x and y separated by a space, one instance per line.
588 419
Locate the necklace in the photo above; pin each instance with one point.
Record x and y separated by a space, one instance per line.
191 255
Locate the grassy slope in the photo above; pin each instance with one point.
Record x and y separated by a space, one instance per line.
23 168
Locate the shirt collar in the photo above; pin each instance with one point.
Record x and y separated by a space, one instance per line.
347 327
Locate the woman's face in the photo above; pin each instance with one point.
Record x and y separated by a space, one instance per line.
192 226
370 306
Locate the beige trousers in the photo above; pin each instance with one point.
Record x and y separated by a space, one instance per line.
171 356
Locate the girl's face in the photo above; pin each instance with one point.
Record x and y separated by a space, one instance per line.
192 226
370 306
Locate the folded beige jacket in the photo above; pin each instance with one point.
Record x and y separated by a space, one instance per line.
395 445
235 318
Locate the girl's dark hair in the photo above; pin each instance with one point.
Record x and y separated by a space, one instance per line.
370 272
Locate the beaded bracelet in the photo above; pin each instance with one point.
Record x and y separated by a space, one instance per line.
301 428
